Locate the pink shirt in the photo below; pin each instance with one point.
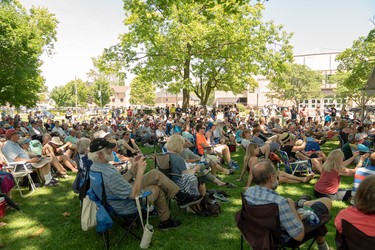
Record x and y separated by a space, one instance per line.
363 222
328 182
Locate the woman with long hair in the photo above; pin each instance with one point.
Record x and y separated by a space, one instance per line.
332 170
251 159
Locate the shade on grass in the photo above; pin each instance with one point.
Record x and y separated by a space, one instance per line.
50 219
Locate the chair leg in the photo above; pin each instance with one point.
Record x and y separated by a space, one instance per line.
241 242
106 239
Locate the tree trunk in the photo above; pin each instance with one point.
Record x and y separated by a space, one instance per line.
185 92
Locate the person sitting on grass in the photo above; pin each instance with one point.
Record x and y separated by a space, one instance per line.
127 146
52 148
362 215
293 228
221 150
332 170
251 159
192 158
117 186
293 151
247 139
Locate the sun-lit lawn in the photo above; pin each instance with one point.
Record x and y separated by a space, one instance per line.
45 224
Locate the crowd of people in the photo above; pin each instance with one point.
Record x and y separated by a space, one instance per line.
199 145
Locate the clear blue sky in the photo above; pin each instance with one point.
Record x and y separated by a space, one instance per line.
86 27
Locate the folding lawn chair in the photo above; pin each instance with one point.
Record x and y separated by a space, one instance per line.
105 214
260 226
352 238
295 166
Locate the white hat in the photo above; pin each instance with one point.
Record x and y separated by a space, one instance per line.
56 140
100 134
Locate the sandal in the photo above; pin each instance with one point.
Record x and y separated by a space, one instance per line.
229 185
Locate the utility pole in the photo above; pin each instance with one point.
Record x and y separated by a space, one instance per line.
76 90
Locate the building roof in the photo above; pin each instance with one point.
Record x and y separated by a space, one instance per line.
227 99
120 89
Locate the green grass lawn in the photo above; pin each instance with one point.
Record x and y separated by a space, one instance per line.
43 225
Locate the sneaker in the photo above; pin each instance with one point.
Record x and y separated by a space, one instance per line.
235 165
302 200
169 224
221 197
51 184
189 200
54 180
229 185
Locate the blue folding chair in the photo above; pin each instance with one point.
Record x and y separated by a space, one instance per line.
299 166
105 214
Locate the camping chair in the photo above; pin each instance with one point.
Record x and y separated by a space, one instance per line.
352 238
260 226
97 194
19 171
296 166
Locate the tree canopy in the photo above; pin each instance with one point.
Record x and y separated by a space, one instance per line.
65 96
297 83
142 92
355 66
199 46
24 36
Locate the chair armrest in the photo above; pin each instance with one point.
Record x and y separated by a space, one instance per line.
17 163
298 162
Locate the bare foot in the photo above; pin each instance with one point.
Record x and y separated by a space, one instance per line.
309 178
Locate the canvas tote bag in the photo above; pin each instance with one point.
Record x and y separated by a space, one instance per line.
148 229
88 215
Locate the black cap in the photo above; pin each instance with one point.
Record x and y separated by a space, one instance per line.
100 143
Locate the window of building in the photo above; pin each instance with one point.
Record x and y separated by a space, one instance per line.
313 101
325 101
313 106
121 99
113 99
306 101
318 101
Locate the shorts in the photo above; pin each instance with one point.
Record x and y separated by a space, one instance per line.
319 208
341 195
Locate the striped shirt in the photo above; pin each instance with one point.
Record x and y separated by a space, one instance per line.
290 225
360 175
117 189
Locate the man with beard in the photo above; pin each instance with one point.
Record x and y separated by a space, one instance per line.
265 176
118 186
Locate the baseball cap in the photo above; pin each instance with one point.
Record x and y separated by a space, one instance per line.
11 132
100 143
23 141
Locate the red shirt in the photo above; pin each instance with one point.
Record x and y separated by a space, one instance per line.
363 222
328 182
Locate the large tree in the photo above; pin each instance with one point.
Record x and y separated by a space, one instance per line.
355 67
297 83
142 92
66 95
24 36
200 46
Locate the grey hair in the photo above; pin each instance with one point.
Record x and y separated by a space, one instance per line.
83 145
94 156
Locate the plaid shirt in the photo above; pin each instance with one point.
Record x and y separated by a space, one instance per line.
290 225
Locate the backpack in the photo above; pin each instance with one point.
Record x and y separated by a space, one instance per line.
208 207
